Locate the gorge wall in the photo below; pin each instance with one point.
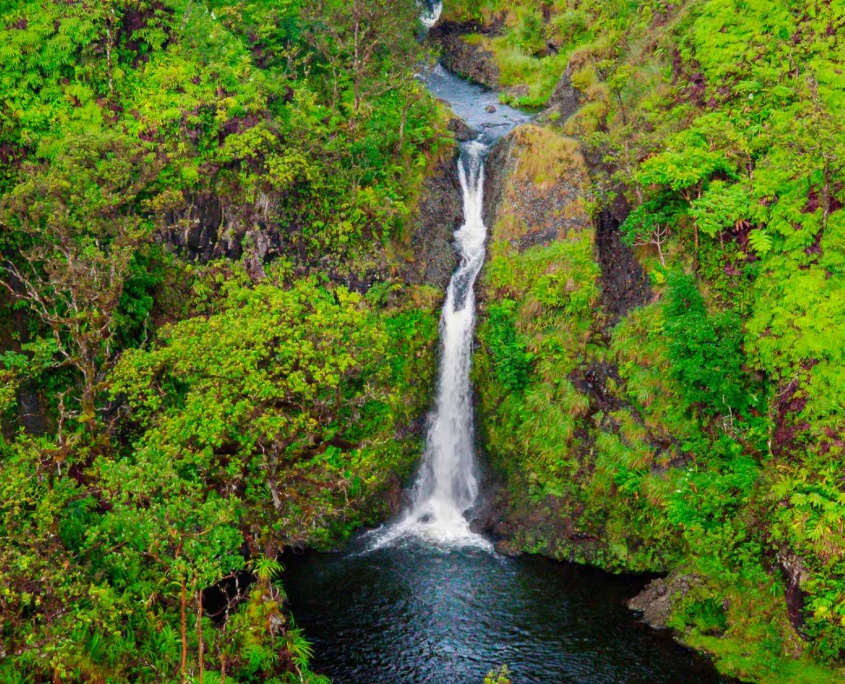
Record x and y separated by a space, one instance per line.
632 390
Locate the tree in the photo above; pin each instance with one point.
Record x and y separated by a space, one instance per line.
683 172
281 387
371 40
650 225
73 226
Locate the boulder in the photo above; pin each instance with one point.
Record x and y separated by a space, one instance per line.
466 58
656 601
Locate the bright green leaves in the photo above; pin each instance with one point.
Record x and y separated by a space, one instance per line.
511 362
705 351
760 241
253 393
720 207
684 172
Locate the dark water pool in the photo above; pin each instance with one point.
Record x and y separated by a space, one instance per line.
417 614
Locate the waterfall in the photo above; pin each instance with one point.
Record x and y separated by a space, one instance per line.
430 13
447 484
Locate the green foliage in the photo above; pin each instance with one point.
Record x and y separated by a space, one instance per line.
512 362
195 421
710 433
500 676
705 351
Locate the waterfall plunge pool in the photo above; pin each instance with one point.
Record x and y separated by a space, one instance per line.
418 614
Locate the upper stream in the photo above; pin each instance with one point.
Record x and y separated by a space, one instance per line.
425 599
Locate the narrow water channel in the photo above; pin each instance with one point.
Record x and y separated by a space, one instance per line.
425 599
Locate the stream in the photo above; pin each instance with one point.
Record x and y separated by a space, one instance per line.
426 599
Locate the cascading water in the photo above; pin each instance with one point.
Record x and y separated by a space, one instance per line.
426 615
430 13
447 485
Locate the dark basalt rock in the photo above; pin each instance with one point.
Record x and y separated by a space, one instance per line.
496 168
655 602
796 574
624 283
432 258
461 130
195 229
467 60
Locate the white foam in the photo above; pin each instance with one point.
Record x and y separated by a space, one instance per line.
447 485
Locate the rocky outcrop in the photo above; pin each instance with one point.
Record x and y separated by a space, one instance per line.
624 282
564 101
196 230
497 169
430 258
467 58
535 188
796 575
657 600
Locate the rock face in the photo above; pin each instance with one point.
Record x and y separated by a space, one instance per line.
204 229
624 282
565 99
195 230
796 575
431 258
534 190
467 59
655 602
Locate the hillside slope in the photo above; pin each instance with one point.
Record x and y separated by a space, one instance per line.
691 422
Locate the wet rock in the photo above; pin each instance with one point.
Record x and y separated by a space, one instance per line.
656 601
467 59
490 109
431 258
508 548
258 247
796 574
461 130
625 284
195 229
497 169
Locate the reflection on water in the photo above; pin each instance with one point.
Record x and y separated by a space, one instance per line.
414 614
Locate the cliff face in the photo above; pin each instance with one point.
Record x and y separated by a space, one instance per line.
428 257
668 407
546 306
464 56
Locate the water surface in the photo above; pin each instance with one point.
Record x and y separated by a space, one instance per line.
416 613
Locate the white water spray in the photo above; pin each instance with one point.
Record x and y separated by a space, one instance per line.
447 485
431 12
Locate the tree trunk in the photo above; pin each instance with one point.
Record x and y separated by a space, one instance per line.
199 637
184 626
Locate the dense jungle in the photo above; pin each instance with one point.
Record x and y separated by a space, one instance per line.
226 234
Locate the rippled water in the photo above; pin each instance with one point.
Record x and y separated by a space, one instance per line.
416 614
479 107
